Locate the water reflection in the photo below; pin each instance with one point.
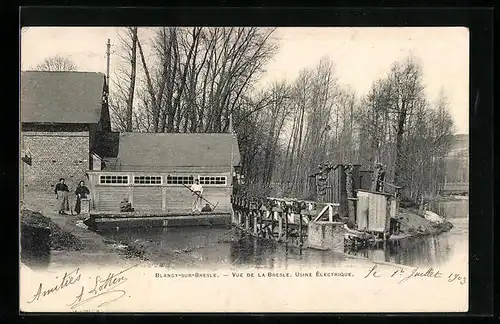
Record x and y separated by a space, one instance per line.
430 250
211 247
225 247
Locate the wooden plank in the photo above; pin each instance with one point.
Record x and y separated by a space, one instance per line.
321 213
147 198
377 213
109 197
362 210
118 214
163 198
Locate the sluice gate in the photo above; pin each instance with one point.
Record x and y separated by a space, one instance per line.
349 210
290 221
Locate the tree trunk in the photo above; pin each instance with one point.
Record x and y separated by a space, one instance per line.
131 90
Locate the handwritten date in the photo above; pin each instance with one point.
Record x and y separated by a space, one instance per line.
404 275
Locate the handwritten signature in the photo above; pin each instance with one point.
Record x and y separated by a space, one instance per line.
103 289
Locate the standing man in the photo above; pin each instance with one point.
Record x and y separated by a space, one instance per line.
62 193
197 190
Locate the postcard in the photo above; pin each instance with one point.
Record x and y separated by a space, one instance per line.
244 169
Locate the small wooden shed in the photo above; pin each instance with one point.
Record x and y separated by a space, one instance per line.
375 209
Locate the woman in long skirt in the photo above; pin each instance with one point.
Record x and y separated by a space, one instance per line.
81 192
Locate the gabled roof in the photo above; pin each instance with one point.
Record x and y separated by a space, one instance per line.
61 97
169 151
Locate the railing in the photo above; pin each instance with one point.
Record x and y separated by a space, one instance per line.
279 219
456 186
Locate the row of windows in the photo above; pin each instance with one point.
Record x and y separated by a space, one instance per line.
158 180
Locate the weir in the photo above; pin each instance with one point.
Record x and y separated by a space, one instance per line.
290 221
346 211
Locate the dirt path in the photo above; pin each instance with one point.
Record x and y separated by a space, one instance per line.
71 242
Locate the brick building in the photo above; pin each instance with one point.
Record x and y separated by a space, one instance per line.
63 114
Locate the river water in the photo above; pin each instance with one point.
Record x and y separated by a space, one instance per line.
225 247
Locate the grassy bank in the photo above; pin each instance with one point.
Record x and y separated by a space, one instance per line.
39 235
414 224
39 231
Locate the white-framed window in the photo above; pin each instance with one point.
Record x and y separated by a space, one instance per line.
179 180
113 179
148 180
213 180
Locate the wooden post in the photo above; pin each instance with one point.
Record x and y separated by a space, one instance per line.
274 218
255 213
375 178
261 222
269 218
247 220
301 241
239 217
351 211
280 225
286 226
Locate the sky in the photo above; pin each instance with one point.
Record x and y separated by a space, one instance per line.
360 55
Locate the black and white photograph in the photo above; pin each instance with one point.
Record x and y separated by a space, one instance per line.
259 161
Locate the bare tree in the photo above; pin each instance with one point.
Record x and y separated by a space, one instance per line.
133 68
56 63
199 76
402 130
197 79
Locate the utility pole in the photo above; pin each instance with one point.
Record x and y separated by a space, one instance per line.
231 130
108 46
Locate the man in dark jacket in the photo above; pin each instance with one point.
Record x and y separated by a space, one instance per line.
62 192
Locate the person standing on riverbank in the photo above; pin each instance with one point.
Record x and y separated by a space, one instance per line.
62 192
81 192
197 190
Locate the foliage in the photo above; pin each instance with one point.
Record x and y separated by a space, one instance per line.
56 63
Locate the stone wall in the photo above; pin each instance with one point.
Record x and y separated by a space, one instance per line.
326 236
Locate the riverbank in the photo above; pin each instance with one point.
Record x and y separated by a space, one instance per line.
63 241
73 243
414 224
51 240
